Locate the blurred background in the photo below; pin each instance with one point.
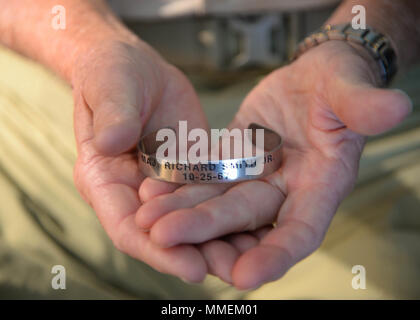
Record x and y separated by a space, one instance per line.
225 48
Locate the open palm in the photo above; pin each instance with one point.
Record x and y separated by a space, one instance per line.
122 91
253 232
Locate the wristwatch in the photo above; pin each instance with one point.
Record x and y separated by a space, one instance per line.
376 43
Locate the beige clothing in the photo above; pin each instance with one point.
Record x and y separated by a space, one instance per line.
152 9
44 222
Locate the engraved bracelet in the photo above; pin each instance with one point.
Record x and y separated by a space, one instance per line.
220 171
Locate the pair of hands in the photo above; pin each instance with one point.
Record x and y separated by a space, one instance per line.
323 105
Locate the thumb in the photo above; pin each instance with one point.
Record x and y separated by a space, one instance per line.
120 110
368 110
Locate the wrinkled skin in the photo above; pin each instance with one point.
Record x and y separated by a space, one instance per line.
122 91
323 105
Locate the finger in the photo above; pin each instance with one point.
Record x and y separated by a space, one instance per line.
242 241
151 188
261 232
302 223
120 105
115 206
238 209
367 110
186 196
91 169
182 261
220 257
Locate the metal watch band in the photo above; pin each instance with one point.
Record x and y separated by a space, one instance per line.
376 43
221 171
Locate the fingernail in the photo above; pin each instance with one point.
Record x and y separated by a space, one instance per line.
410 110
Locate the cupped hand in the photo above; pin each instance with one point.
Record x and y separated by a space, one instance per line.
323 105
121 91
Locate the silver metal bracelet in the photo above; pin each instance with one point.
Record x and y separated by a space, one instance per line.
221 171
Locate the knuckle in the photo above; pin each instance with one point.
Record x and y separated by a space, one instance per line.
208 214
